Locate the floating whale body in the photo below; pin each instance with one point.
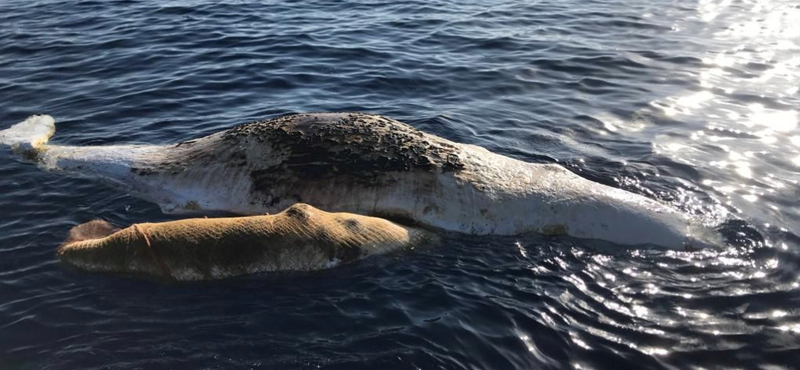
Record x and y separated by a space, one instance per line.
301 238
368 165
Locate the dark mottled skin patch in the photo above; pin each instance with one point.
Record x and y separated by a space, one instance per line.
298 158
356 146
352 224
429 209
297 212
143 171
347 254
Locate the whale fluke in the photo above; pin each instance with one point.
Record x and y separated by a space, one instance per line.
29 135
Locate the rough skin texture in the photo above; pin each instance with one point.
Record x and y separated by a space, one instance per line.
372 165
301 238
302 151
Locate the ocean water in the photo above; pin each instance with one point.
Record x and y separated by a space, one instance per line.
692 102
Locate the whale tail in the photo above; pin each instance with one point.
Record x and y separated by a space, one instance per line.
28 136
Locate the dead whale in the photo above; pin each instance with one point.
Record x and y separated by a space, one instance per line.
369 165
301 238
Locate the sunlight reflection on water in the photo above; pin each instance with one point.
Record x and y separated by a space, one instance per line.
718 119
744 151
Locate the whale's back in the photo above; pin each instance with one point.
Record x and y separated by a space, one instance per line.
327 145
311 158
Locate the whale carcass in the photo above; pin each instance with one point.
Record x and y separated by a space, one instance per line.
369 165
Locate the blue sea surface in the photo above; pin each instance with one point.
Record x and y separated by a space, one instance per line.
691 102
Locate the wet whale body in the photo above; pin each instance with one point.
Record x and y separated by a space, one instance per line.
301 238
369 165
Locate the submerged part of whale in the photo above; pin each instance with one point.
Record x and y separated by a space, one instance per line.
301 238
370 165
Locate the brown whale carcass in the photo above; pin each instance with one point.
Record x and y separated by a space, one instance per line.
301 238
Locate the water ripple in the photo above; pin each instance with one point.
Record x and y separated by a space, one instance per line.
694 104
